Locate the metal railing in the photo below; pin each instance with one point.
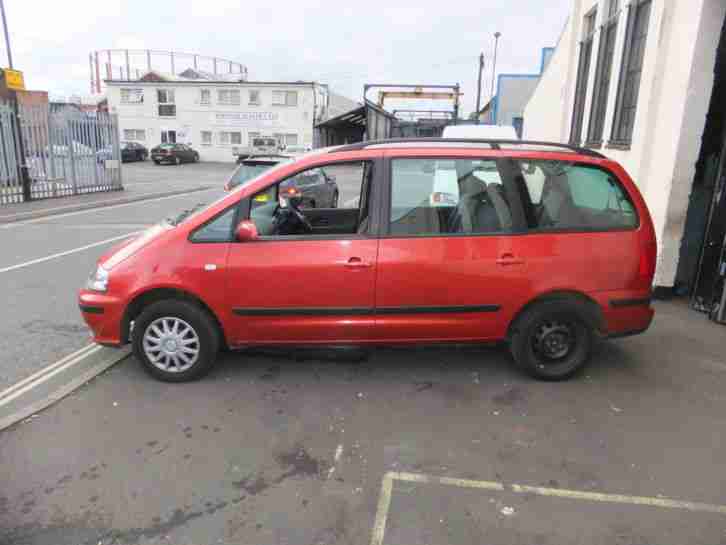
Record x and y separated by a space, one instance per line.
67 152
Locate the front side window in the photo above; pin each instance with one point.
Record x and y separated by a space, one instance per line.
570 196
629 87
332 198
217 230
448 196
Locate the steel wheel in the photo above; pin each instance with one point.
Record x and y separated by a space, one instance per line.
171 344
553 341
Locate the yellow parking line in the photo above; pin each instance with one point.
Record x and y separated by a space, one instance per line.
384 501
620 498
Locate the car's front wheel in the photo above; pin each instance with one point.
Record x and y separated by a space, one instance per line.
552 340
175 341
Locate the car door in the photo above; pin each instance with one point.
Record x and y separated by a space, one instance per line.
314 288
445 254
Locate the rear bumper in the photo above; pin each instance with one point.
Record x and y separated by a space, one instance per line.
104 314
625 313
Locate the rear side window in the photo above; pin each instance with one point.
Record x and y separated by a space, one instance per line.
447 196
571 196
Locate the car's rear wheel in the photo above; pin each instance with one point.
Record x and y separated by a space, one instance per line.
552 340
175 341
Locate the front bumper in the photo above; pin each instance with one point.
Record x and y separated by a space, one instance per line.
104 315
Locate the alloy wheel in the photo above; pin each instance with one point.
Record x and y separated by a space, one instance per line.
171 344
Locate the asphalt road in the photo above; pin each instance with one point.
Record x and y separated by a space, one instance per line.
273 449
40 322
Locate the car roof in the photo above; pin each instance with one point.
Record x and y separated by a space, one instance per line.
468 143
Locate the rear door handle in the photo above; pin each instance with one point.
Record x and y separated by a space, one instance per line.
357 263
321 221
509 259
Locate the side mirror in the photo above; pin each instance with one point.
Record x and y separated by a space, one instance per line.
246 231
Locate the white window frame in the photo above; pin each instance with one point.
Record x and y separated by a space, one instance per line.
202 93
205 141
258 101
285 98
168 96
132 95
228 97
227 138
252 135
135 135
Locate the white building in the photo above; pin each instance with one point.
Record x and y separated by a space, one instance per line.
216 116
636 79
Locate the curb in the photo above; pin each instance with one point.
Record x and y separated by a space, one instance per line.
13 218
29 404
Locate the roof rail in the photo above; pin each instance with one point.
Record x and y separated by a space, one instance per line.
494 143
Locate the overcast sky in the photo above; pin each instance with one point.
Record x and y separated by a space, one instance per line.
335 42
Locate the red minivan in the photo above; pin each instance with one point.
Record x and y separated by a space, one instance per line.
543 246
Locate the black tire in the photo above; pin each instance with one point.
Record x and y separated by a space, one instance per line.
196 157
539 336
201 323
157 162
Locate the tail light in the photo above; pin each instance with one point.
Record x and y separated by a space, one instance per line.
291 192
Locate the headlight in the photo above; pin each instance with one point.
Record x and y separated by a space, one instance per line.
98 281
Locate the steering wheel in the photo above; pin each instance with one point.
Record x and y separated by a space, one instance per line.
302 220
290 221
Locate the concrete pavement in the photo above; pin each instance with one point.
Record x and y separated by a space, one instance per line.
278 449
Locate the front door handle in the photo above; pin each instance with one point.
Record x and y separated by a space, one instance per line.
509 259
357 263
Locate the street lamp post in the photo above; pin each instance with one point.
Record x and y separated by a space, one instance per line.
7 35
23 171
494 66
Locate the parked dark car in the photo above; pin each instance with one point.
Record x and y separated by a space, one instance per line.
174 154
252 167
131 151
314 188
